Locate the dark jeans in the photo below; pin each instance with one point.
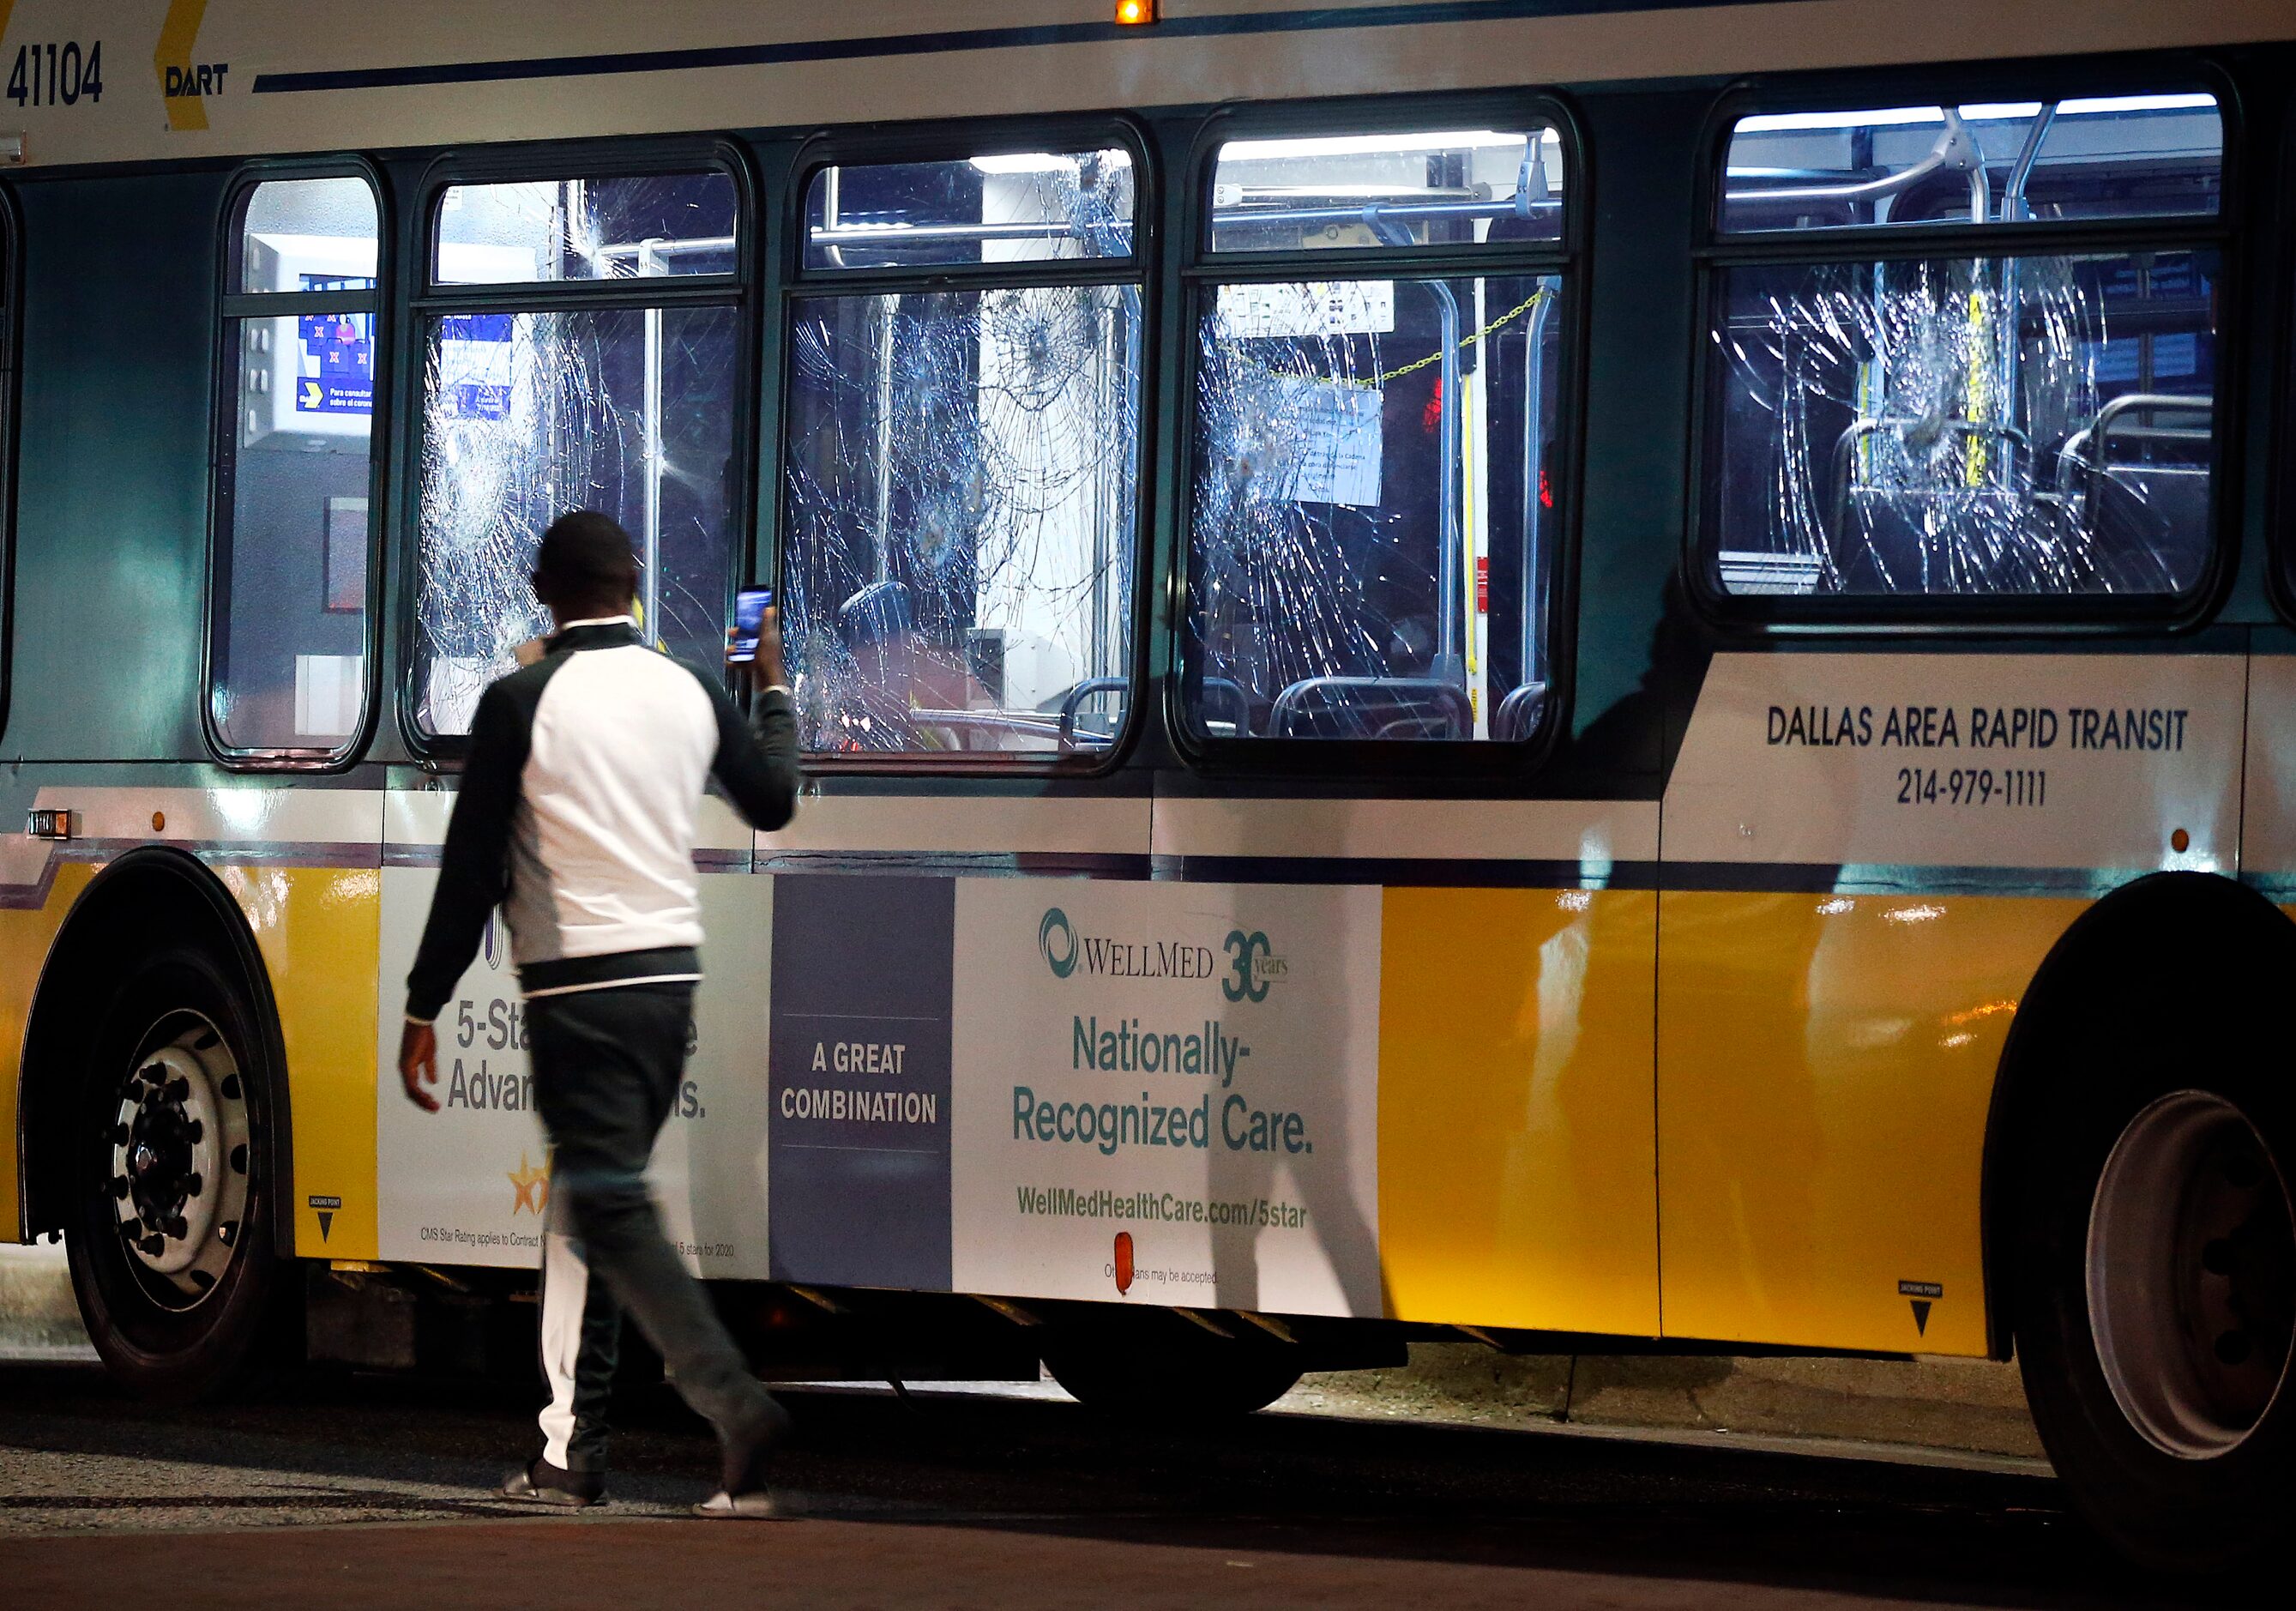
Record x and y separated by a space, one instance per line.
607 1066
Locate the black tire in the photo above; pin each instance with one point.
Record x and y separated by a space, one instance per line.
197 1331
2153 1268
1166 1366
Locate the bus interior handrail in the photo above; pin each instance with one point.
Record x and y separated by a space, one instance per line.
2074 458
1072 704
1423 691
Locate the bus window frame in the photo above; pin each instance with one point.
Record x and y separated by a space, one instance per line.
1715 252
234 307
959 140
1488 761
11 375
610 157
2276 258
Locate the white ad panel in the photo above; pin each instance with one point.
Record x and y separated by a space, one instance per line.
1168 1093
2268 825
2113 761
468 1184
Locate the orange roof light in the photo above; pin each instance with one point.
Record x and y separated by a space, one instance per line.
1132 14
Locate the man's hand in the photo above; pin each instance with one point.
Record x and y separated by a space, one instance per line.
418 1064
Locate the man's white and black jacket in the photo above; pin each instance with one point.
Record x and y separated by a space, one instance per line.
577 811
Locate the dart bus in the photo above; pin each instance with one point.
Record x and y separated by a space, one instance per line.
1600 676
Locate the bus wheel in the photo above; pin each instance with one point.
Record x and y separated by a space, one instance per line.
2159 1300
1175 1374
171 1238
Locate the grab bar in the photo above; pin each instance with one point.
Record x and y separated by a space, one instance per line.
1089 689
1425 690
2072 456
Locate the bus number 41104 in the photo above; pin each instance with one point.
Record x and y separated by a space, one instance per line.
57 75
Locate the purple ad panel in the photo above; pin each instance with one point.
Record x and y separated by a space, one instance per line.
857 1174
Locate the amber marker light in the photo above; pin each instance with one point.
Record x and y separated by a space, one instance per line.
1134 13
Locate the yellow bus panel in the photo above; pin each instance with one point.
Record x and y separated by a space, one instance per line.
1515 1133
1825 1067
319 931
26 938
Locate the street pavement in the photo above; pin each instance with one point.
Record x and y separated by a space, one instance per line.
345 1491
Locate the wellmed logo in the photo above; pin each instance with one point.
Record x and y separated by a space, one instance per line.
1057 939
1250 967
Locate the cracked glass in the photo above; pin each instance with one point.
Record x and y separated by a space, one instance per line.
961 490
2007 424
1013 208
636 226
1374 510
528 414
1967 425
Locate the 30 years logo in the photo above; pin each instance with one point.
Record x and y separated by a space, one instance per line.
1252 964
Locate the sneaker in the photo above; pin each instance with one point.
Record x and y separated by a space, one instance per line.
742 1493
757 1505
544 1484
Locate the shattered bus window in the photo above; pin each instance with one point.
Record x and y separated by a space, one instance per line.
528 414
1373 509
960 518
631 227
1988 423
1014 208
2036 425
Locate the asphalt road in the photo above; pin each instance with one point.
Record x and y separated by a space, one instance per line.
347 1492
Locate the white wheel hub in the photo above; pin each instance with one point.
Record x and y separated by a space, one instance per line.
179 1157
2190 1262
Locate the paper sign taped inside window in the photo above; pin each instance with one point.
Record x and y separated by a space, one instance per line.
1315 308
1336 429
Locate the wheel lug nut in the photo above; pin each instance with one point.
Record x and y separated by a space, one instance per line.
120 1135
177 1089
195 1132
119 1188
194 1184
152 1246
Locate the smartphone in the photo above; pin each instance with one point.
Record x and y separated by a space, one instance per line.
749 607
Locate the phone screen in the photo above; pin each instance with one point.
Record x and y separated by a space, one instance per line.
749 607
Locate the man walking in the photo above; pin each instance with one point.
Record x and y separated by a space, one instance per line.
575 816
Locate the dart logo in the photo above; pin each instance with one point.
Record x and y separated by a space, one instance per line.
1123 1260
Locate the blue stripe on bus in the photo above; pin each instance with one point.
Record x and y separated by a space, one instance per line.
1315 20
959 864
